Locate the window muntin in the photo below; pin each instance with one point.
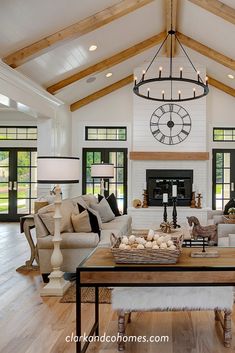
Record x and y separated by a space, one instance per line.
105 133
18 133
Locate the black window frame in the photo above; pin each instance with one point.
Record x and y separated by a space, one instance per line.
18 133
106 128
224 129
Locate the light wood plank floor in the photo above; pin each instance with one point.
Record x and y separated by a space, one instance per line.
30 324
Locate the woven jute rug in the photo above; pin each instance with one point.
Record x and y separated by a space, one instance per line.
88 295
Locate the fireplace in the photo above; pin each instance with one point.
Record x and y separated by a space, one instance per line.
160 181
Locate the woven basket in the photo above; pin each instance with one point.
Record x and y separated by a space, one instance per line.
145 256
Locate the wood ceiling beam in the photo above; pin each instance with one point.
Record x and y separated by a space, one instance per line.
109 62
218 8
221 86
101 93
168 25
78 29
206 51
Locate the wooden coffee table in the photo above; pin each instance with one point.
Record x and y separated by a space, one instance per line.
100 270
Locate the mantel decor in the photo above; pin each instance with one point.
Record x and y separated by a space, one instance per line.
144 84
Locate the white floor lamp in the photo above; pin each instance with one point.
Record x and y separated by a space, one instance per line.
57 170
102 171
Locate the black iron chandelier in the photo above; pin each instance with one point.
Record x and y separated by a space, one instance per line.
172 81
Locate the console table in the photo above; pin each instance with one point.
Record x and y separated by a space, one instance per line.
100 270
26 224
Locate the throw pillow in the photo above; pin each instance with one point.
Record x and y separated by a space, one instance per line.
104 210
81 222
112 201
46 214
94 223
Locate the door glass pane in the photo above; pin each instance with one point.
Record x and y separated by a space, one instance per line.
227 191
120 159
219 160
4 190
23 158
23 206
23 174
120 175
23 190
4 158
4 174
219 175
227 160
97 157
226 175
219 205
4 206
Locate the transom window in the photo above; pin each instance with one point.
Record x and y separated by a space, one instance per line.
224 134
18 133
105 133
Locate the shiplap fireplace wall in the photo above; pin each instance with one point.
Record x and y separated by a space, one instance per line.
144 141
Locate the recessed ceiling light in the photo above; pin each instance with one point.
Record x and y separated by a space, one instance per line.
93 47
231 76
91 79
109 74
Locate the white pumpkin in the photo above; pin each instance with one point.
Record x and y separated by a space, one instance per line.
160 240
170 242
155 246
163 246
167 238
140 246
172 247
125 240
132 239
149 245
122 246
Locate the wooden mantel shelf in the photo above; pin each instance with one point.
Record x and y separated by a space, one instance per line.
169 156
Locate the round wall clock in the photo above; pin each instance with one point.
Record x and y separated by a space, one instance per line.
170 124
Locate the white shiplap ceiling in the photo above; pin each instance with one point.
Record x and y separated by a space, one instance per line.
23 22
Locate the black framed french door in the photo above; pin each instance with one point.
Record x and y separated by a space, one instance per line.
18 182
117 185
223 172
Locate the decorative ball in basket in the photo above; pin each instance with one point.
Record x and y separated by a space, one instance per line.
147 248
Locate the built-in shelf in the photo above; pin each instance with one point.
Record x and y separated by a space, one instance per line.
169 156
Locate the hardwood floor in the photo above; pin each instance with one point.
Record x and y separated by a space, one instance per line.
30 324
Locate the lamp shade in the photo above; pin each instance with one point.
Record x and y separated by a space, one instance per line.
102 170
60 170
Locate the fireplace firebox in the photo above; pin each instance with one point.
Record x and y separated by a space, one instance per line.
160 181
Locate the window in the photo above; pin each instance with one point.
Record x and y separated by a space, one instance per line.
106 133
224 134
116 185
18 133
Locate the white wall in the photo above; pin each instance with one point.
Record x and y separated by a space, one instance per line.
115 109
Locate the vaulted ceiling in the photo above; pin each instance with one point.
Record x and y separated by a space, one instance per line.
49 41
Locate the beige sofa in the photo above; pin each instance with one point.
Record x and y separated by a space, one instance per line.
75 246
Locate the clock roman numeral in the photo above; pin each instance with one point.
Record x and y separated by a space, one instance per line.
156 132
186 124
153 124
180 138
158 116
171 107
170 140
162 109
185 132
162 138
184 116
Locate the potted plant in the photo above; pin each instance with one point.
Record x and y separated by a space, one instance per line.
231 212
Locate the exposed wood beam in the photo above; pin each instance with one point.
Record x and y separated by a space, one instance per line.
169 156
221 86
204 50
78 29
101 93
168 25
218 8
109 62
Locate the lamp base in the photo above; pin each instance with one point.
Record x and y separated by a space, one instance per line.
57 285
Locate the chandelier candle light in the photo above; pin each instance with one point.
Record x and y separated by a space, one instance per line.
142 87
57 170
102 171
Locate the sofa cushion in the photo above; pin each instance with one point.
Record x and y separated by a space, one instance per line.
47 213
94 223
70 241
121 224
112 201
85 200
104 210
81 222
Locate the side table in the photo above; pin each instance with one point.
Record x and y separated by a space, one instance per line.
26 224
